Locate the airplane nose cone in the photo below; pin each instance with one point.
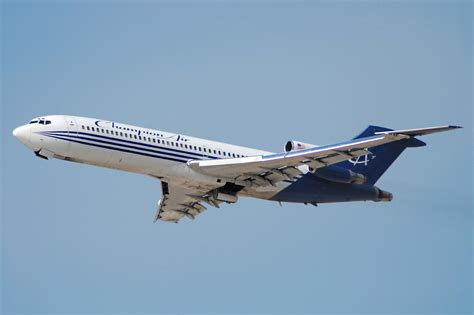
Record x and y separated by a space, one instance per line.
22 133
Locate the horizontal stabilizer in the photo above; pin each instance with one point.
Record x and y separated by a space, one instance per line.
418 131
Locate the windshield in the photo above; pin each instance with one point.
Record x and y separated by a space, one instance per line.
41 121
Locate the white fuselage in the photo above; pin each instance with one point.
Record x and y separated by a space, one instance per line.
130 148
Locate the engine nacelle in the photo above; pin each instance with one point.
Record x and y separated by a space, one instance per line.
340 175
293 145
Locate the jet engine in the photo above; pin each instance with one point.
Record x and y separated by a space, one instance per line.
340 175
293 145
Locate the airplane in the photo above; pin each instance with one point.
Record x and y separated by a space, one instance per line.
196 172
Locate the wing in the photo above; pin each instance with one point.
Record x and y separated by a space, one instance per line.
267 169
178 201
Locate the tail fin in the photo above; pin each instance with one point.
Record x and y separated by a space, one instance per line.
373 166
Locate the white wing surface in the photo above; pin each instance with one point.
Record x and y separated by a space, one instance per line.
267 169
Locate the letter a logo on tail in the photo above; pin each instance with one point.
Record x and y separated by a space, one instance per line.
363 159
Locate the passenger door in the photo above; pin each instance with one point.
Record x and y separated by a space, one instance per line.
71 126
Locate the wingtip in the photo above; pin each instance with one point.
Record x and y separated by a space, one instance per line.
455 127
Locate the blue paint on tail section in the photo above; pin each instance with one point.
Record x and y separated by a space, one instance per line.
374 165
310 188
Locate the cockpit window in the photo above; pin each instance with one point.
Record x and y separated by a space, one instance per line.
43 121
33 122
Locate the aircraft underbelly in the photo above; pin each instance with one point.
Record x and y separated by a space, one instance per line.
311 189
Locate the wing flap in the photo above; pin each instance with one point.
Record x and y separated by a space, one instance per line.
177 202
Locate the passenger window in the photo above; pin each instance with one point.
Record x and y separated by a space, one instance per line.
83 127
149 139
199 148
126 135
219 152
88 128
195 148
93 129
102 130
154 140
140 137
167 142
186 146
215 152
107 131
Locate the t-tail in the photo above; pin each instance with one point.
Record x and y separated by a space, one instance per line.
373 165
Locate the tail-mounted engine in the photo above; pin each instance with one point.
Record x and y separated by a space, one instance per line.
340 175
293 145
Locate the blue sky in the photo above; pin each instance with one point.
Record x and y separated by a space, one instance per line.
80 239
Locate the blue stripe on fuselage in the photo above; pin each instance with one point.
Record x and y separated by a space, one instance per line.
132 142
116 149
124 145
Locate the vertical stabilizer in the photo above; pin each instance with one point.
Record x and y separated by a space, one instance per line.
375 164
